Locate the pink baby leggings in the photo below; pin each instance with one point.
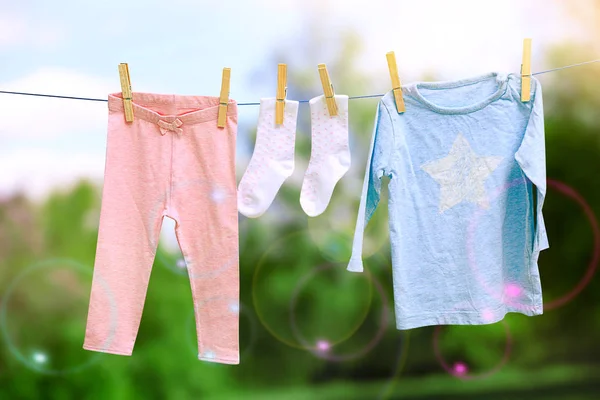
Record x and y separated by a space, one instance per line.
173 161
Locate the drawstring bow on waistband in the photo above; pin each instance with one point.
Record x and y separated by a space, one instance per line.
170 126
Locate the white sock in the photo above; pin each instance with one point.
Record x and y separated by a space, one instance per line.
272 160
329 154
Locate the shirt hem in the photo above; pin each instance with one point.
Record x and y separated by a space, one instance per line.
463 318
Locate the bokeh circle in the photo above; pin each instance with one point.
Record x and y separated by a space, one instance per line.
593 264
497 294
322 347
460 369
292 271
510 294
387 391
333 232
36 357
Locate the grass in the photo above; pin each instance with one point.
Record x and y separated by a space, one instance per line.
556 382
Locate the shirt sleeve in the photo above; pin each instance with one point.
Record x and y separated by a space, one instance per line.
378 164
531 157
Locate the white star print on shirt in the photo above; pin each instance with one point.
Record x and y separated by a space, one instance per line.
461 175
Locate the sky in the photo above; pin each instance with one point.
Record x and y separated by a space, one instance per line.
70 47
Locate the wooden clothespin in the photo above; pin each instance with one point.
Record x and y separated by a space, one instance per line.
224 98
396 86
281 93
526 71
328 89
126 91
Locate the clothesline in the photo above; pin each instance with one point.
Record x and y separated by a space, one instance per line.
257 104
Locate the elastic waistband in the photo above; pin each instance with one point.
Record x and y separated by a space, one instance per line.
167 107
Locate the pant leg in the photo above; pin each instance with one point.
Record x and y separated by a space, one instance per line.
204 204
134 196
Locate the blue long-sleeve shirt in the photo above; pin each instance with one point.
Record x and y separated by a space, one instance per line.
466 163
